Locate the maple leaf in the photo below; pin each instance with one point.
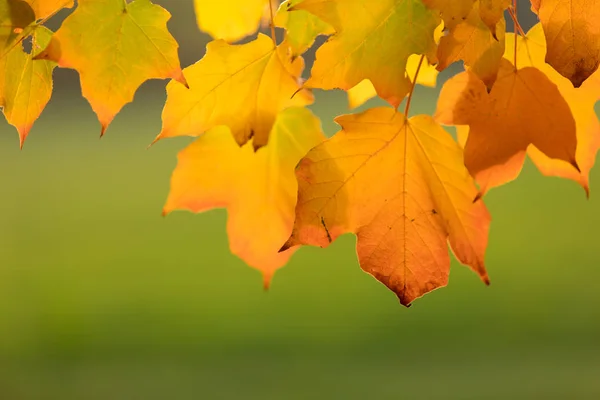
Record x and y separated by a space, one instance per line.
115 57
302 28
399 185
492 12
472 41
254 82
364 91
505 121
257 188
452 12
46 8
25 84
426 76
354 52
531 51
230 20
15 16
572 30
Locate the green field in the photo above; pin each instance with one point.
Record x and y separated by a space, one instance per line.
102 298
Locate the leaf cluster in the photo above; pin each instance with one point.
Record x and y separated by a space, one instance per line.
402 184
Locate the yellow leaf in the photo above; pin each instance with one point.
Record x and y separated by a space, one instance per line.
452 12
354 52
364 91
26 85
302 28
15 16
473 42
491 12
241 86
115 57
402 188
505 121
257 188
230 20
46 8
572 29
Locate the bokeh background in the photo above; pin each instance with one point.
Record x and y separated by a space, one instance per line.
102 298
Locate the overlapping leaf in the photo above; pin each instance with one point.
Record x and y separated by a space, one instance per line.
572 30
505 121
26 85
114 58
230 20
472 41
257 188
46 8
301 27
402 188
241 86
426 76
354 52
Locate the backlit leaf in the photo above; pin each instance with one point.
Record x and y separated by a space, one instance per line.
402 188
26 85
45 8
532 52
302 28
241 86
258 188
491 12
472 41
230 20
506 121
363 29
572 29
115 57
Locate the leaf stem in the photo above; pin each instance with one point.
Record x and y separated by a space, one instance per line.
412 89
518 29
272 23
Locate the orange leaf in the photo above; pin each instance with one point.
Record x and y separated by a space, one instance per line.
506 121
452 12
115 57
472 41
572 29
254 82
491 12
257 188
402 188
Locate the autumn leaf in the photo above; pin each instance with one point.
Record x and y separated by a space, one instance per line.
302 28
364 91
25 84
452 12
472 41
402 188
354 52
15 16
254 82
572 30
257 188
230 20
114 58
531 51
492 12
504 122
46 8
427 76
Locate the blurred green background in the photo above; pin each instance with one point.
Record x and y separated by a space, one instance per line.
102 298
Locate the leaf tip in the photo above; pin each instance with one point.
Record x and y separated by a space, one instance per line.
267 276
